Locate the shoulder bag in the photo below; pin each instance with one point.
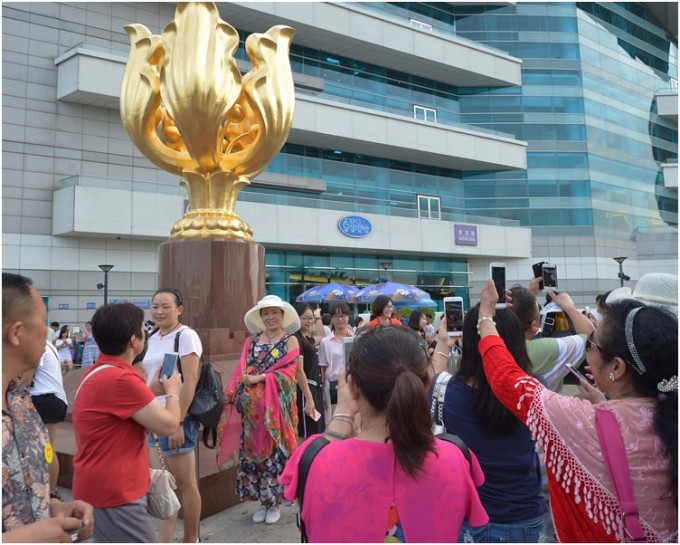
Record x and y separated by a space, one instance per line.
208 398
614 454
161 500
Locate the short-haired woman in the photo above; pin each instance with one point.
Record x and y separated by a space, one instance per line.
382 310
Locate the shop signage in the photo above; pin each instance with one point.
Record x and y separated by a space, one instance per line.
355 226
466 235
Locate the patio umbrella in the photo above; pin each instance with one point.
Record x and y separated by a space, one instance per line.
331 291
395 291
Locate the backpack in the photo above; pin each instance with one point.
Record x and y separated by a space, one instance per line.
208 398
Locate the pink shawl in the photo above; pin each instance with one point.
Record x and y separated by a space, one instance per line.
278 425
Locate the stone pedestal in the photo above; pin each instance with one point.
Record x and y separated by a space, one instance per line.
220 280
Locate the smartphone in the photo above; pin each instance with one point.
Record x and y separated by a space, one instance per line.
169 364
549 275
347 348
538 272
497 274
454 312
576 373
316 415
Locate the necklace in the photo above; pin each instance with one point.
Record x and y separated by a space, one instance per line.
161 334
270 338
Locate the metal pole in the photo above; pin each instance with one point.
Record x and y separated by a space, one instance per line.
106 287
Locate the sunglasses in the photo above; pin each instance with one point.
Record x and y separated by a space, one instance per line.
590 345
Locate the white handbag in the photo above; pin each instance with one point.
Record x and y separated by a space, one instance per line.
161 500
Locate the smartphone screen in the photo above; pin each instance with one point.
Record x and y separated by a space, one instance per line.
538 272
454 316
576 373
169 364
498 277
549 275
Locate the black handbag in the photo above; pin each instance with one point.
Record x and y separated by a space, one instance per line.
208 398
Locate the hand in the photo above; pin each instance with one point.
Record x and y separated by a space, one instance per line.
534 285
489 298
49 530
444 335
309 406
346 404
316 313
172 384
78 509
592 319
562 299
591 392
254 379
176 440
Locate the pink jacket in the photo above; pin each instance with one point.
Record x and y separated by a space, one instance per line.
352 484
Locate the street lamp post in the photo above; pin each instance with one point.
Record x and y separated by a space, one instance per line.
622 276
106 269
386 265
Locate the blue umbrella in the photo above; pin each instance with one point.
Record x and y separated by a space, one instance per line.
395 291
332 291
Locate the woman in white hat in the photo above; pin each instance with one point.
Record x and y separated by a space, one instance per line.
262 390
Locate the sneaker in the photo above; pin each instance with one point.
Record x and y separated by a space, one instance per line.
273 515
260 514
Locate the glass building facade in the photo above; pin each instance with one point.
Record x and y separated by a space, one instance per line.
586 107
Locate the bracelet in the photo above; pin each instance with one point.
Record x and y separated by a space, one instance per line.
484 319
331 433
173 395
442 354
343 414
342 418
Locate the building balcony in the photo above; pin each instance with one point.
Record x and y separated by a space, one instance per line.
667 103
670 174
378 37
106 208
92 75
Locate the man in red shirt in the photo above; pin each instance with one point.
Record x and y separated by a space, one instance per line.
112 411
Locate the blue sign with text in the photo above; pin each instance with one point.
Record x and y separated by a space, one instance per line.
354 226
63 306
90 306
142 303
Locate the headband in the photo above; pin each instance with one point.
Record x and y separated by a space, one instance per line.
629 340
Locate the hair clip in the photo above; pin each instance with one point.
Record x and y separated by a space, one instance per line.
668 385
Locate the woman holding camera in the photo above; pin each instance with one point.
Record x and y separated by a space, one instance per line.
394 481
633 359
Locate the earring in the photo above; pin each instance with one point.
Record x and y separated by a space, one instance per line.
612 377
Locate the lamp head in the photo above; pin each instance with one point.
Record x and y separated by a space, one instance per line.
107 268
620 260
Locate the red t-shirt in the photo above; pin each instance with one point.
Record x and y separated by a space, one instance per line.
111 466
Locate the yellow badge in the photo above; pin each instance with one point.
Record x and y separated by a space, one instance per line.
275 352
49 453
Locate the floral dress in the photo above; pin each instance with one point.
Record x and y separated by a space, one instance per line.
257 478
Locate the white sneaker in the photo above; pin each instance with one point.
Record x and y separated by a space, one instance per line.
260 514
273 515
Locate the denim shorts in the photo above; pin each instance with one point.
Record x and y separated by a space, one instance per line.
190 435
525 531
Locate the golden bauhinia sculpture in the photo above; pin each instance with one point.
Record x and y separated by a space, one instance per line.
186 107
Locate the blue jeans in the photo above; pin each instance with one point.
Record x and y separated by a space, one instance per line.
526 531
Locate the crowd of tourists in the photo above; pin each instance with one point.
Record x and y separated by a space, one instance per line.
383 432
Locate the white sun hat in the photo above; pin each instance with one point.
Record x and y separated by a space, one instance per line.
253 320
651 289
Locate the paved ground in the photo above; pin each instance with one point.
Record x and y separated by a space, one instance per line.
235 525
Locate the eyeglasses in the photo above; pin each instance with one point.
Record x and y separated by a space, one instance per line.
590 345
307 318
340 317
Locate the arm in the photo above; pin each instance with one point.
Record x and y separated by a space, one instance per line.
582 324
49 530
440 357
163 420
301 379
